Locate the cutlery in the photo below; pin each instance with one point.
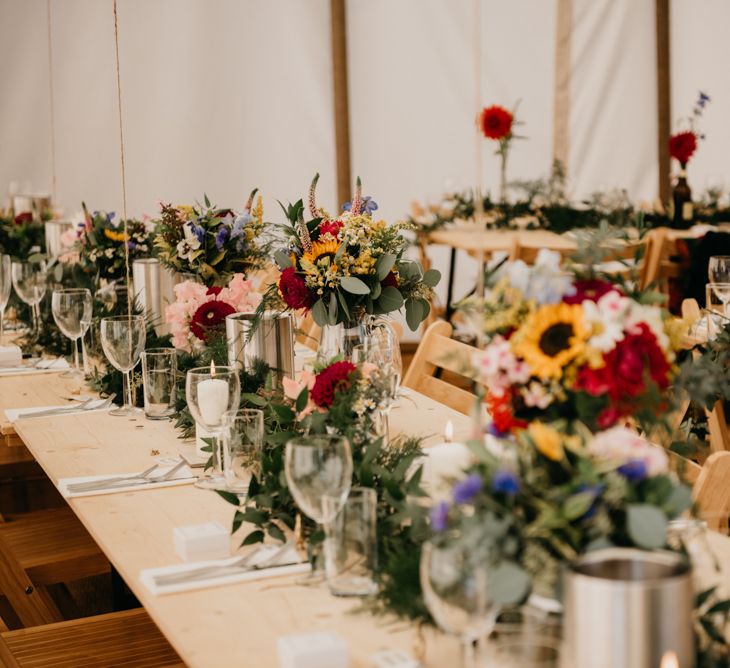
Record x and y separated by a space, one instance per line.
79 408
241 565
126 481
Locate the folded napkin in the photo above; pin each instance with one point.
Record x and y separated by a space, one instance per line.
12 414
183 477
289 562
42 366
10 356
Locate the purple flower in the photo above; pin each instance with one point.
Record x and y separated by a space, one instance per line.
634 470
368 205
131 245
505 482
465 490
221 237
494 431
198 231
440 516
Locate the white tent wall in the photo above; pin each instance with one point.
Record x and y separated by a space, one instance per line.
218 96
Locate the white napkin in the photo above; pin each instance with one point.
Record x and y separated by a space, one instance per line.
10 356
12 414
295 566
183 477
42 366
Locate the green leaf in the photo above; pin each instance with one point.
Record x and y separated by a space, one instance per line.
230 497
276 533
343 303
206 200
578 505
332 313
254 537
284 412
254 399
679 500
508 583
319 313
384 265
282 259
432 277
703 597
354 285
302 400
647 526
58 272
414 313
390 299
722 606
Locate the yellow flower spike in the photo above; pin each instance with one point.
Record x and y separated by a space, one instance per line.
547 440
258 210
550 338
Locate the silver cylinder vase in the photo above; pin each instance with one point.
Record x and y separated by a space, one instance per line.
627 607
271 339
54 231
154 290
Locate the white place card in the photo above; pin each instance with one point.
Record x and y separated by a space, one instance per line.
313 650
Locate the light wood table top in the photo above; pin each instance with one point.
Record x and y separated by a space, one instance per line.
490 241
235 625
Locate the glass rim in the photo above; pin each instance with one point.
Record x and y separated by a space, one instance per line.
70 291
205 371
28 262
299 441
121 318
242 412
159 351
361 490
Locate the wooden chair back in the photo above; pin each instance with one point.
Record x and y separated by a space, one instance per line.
437 350
711 491
7 659
717 427
691 310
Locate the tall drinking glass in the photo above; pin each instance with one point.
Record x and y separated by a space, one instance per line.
159 379
29 281
718 269
122 339
6 284
242 440
454 579
211 392
384 373
72 312
721 291
318 471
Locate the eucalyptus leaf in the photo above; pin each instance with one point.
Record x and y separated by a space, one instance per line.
414 314
384 265
432 277
679 500
577 505
332 311
319 313
282 259
647 526
508 583
354 285
390 300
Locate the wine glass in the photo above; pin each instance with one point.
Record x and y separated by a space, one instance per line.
29 281
122 339
722 292
718 269
454 579
6 284
318 471
211 392
71 310
242 440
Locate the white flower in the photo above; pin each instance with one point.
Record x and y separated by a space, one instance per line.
607 317
185 249
109 252
498 368
620 445
537 395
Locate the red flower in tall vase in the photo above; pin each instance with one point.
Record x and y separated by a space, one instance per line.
682 146
495 122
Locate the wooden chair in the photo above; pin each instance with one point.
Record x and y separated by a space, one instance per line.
711 490
41 549
129 639
438 351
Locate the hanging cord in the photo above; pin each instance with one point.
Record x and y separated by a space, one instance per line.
121 153
478 145
51 105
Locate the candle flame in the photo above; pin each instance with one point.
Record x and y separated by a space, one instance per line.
212 368
449 432
669 660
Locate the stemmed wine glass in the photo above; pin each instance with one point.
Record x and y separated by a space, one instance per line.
211 392
455 583
718 269
122 339
71 310
29 281
318 471
5 287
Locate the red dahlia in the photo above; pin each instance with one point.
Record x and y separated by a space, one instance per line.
682 146
590 290
334 378
22 218
294 290
210 317
495 122
332 227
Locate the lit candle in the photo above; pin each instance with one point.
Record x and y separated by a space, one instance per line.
445 462
212 398
669 660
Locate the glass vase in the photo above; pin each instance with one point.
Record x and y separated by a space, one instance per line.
339 340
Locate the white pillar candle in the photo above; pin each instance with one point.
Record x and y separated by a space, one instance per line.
212 400
445 462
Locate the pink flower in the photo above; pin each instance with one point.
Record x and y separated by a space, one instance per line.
620 445
240 294
293 387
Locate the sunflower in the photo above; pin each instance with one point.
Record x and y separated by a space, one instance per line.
321 249
115 236
550 338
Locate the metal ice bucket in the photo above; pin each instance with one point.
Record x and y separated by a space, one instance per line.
627 607
54 230
154 290
271 341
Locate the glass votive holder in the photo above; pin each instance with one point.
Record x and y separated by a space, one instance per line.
159 377
350 548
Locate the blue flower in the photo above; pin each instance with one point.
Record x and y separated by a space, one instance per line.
505 482
440 516
109 216
368 205
494 431
634 470
131 245
703 99
465 490
221 237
